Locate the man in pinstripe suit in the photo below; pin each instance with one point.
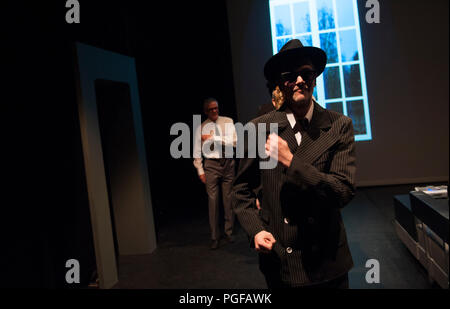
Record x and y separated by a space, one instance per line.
298 231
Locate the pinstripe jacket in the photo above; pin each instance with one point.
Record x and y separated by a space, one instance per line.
300 205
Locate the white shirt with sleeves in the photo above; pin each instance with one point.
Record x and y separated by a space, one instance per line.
227 137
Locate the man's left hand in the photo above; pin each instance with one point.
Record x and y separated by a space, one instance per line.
276 144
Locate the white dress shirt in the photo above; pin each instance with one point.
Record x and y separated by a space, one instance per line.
226 136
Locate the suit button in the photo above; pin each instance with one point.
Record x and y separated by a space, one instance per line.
286 220
289 250
310 220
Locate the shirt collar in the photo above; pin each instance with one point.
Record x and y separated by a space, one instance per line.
291 118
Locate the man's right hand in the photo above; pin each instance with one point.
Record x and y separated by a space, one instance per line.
264 242
206 137
202 178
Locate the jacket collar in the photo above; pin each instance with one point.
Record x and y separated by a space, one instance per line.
320 118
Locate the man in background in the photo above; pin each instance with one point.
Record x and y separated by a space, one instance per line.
213 140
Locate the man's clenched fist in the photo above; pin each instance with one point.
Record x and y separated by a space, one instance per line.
264 242
278 148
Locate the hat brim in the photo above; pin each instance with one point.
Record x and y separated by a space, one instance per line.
288 60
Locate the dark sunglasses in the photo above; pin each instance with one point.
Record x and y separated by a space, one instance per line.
307 75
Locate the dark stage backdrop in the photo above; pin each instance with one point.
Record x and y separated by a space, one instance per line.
182 56
407 71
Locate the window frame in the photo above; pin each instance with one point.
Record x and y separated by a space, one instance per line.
315 36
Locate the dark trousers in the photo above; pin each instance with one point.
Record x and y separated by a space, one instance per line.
219 175
338 283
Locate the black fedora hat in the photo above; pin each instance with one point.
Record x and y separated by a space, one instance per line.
291 55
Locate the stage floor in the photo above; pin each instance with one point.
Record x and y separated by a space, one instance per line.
183 259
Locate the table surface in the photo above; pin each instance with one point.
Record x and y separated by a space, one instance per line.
438 205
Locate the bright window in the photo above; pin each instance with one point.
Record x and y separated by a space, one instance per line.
332 25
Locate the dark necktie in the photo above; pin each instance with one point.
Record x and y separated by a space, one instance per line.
301 125
215 134
222 160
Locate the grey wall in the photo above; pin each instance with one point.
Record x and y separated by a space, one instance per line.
406 63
